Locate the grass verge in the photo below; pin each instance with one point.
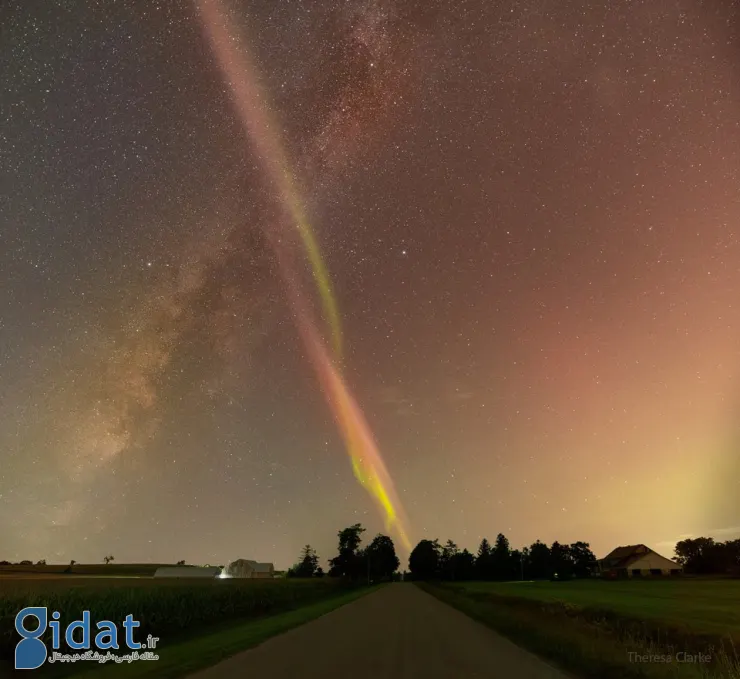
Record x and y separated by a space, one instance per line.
189 655
592 642
702 606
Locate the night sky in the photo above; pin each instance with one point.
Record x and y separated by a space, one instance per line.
530 215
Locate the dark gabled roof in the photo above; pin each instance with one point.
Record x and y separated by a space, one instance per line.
621 557
253 565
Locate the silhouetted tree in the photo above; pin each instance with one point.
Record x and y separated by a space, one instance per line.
524 566
181 563
501 558
42 562
696 555
347 563
307 564
381 559
446 565
363 565
582 558
705 556
424 560
732 553
561 564
483 565
108 559
319 572
463 566
539 561
517 563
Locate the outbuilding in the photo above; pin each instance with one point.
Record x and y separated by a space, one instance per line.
246 568
636 561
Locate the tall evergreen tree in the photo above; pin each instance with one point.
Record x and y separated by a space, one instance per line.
483 560
501 558
307 565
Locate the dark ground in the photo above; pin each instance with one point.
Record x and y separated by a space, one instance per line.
398 632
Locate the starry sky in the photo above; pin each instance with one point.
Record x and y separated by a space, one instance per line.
530 215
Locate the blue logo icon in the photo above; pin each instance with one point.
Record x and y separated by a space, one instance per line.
30 652
32 622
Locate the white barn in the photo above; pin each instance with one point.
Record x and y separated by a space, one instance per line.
246 568
635 561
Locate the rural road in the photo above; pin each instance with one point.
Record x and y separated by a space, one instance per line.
398 632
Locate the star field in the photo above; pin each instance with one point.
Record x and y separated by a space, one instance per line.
531 217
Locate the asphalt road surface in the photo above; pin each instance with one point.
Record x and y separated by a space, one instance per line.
397 632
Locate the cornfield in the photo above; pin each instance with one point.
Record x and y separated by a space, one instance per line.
164 608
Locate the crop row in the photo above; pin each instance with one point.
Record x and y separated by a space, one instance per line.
162 610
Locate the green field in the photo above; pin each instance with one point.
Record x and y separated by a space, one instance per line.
704 606
590 627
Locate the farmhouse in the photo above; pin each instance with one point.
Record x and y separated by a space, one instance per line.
187 572
636 561
246 568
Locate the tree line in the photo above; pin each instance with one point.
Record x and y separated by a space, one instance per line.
704 556
431 561
376 562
